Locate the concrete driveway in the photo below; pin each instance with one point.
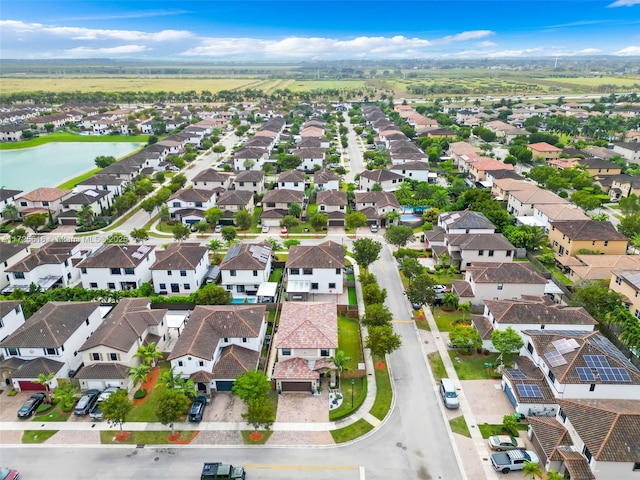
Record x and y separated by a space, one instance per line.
9 406
487 400
224 407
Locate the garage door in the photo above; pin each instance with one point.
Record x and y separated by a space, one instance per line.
336 223
296 386
26 385
97 384
224 385
68 221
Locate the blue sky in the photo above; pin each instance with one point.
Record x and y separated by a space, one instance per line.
262 30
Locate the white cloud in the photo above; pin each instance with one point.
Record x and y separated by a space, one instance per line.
486 43
465 36
624 3
84 52
628 51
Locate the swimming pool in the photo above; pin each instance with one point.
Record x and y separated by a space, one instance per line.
410 217
244 300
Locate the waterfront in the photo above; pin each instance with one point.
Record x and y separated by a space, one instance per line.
51 164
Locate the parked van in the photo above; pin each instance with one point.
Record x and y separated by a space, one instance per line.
448 393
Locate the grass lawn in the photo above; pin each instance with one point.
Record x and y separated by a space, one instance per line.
459 425
471 367
276 275
444 319
488 430
351 432
442 278
559 275
384 394
349 341
121 220
54 415
353 299
265 435
155 437
437 366
146 411
37 436
74 181
351 277
359 394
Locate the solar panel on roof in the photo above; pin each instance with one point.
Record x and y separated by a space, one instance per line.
91 193
609 374
144 248
555 358
573 342
529 390
137 255
610 349
513 373
563 345
585 374
595 361
233 252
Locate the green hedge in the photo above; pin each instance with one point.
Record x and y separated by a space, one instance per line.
140 393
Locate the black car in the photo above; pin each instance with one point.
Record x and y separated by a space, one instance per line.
86 402
31 405
197 409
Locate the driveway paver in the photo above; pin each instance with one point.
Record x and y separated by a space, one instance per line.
303 407
487 400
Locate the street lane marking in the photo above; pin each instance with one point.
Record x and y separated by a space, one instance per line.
302 467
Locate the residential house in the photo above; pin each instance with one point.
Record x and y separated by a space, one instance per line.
333 203
11 253
291 180
11 318
502 188
117 267
7 197
189 204
11 133
376 205
307 338
310 158
249 158
547 213
625 185
466 221
480 169
249 180
276 203
110 183
596 267
110 351
568 237
180 268
326 180
210 179
498 281
418 171
630 151
522 203
219 344
465 250
97 201
599 167
627 283
544 150
315 269
49 342
50 266
232 201
245 267
461 150
388 180
42 200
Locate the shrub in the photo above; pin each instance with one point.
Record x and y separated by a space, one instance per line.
140 393
406 252
44 407
367 278
12 393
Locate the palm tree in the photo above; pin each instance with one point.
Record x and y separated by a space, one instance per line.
139 374
176 381
553 475
532 470
450 300
404 192
340 361
10 212
537 237
149 354
464 308
392 216
45 381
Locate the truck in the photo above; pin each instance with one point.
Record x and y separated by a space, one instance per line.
512 460
217 470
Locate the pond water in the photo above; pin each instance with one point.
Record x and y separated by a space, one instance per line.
54 163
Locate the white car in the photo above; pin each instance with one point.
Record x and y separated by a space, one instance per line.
439 288
218 229
265 229
107 393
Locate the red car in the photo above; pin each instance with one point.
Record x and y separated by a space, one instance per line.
284 230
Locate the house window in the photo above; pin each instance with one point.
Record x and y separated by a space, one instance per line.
508 253
530 347
332 285
111 285
255 273
232 273
45 204
240 289
229 287
562 415
83 270
294 271
163 286
542 326
307 271
180 363
13 351
86 321
324 352
491 253
500 286
636 466
322 208
606 243
618 281
551 376
226 340
115 271
199 204
187 286
50 351
93 285
314 286
271 205
169 273
183 273
201 363
17 309
23 204
129 271
480 253
18 275
244 339
593 243
592 387
338 271
113 357
95 357
587 453
286 352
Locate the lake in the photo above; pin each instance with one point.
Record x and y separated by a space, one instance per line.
51 164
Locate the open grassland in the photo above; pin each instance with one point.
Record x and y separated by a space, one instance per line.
594 81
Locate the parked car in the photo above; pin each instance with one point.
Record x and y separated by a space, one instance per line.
374 228
107 393
96 411
197 409
505 442
416 306
265 229
9 474
437 301
86 402
218 229
284 230
439 288
512 460
31 405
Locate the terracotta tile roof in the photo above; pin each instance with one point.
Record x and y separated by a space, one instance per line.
234 361
600 267
125 324
307 325
561 211
538 196
331 197
576 463
328 254
537 312
51 326
550 433
247 256
31 369
180 256
103 371
45 194
209 323
234 197
507 272
294 369
283 195
114 256
588 230
53 253
544 147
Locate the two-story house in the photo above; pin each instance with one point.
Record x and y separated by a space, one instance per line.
544 150
522 203
7 197
315 269
210 179
49 342
110 183
291 180
232 201
189 204
465 221
464 250
276 203
389 181
180 268
51 265
333 203
110 351
249 180
11 317
544 214
97 201
326 180
306 339
418 171
117 267
627 282
250 158
310 158
245 267
42 200
218 344
498 281
376 205
10 254
568 237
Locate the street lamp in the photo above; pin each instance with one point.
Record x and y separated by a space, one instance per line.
352 382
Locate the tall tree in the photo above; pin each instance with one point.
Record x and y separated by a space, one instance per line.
172 404
180 232
10 212
149 354
243 219
35 221
116 408
366 251
45 380
140 234
399 235
139 374
376 314
260 413
340 361
506 342
382 340
355 220
251 385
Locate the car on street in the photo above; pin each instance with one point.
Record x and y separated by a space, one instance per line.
197 409
505 442
218 229
30 406
284 230
86 402
265 229
439 288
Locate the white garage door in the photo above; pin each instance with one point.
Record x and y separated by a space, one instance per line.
97 384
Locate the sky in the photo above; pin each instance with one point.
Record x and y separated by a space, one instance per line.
295 30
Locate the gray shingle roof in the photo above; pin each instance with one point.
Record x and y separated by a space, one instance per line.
8 250
588 230
325 255
234 361
283 196
179 256
53 253
103 371
234 197
117 256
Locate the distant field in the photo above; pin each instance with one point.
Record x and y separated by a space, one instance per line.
301 86
625 81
